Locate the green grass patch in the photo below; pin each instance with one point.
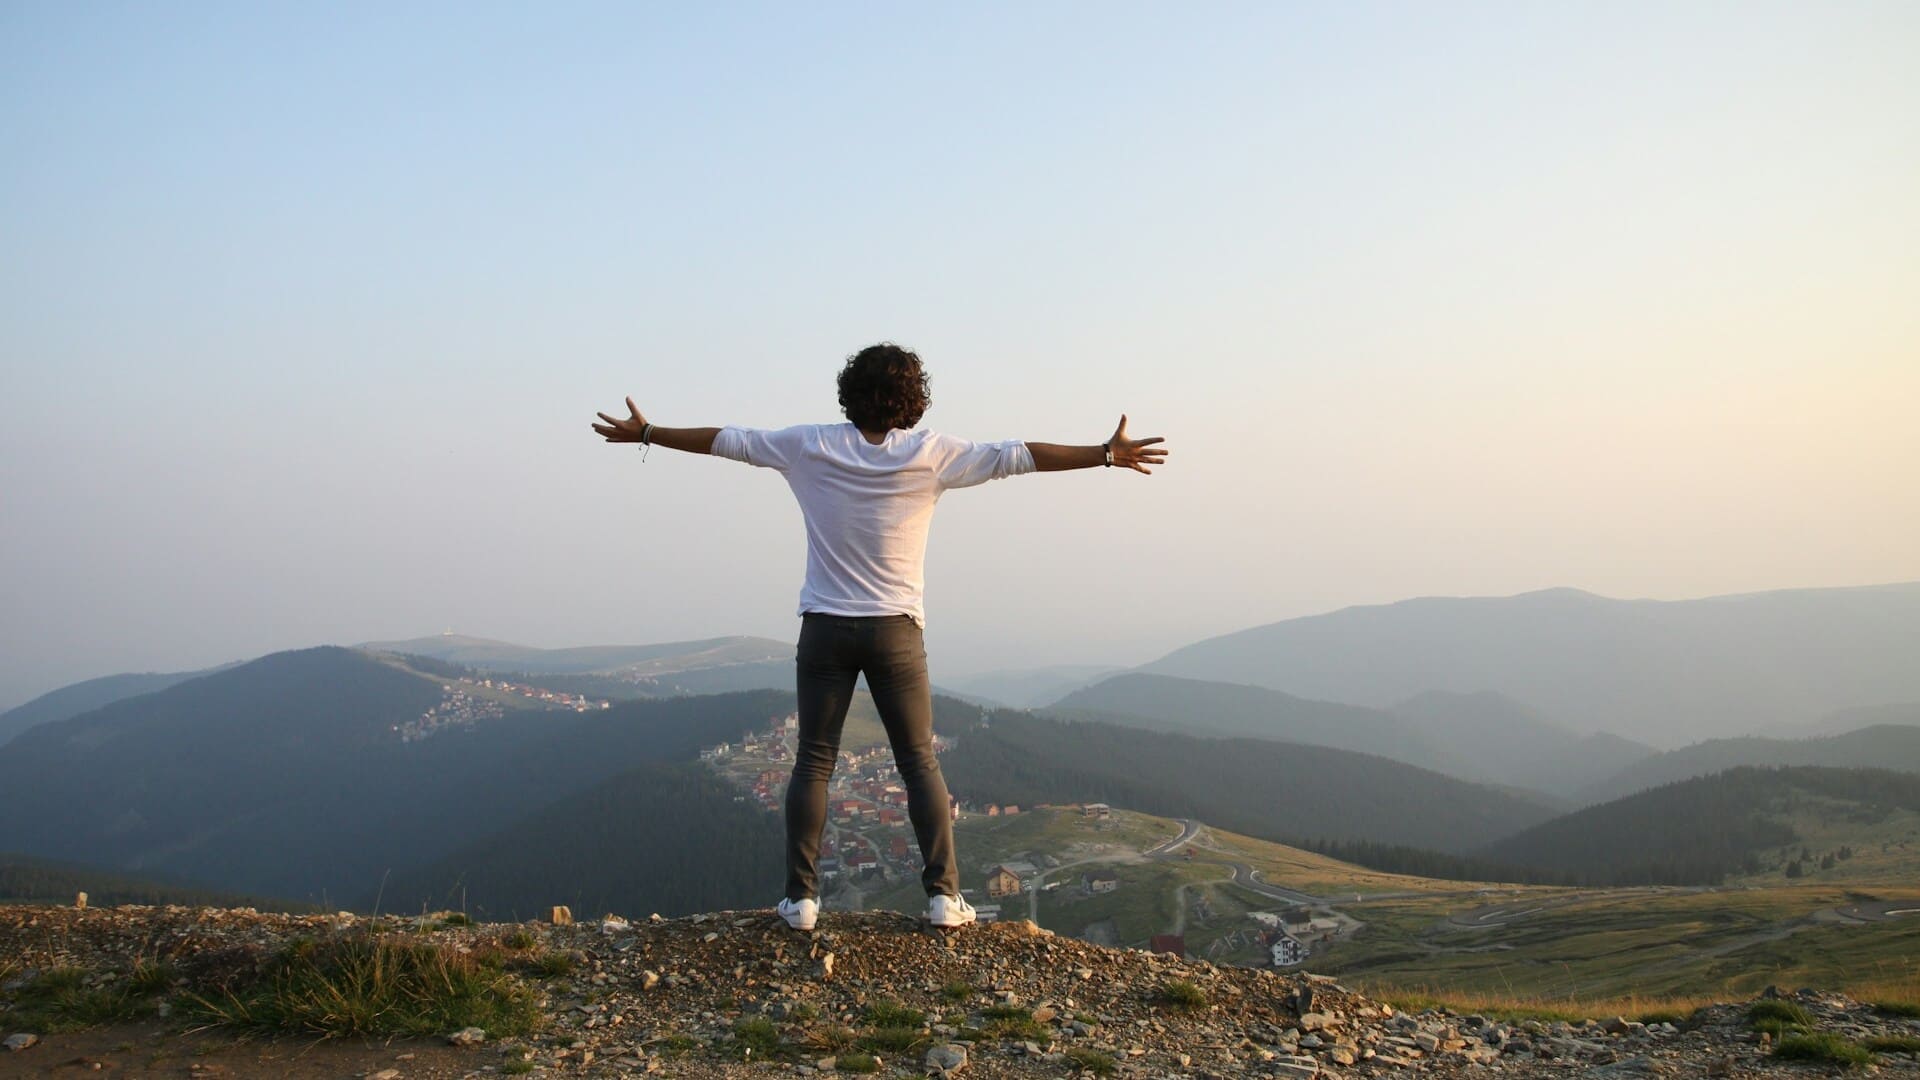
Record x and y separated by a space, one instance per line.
833 1038
1823 1047
552 965
1661 1016
892 1040
1091 1060
1180 996
373 986
517 1067
1774 1009
803 1012
1894 1044
456 918
1779 1018
675 1046
518 940
61 1000
858 1063
894 1014
756 1039
1011 1022
957 991
1908 1009
149 979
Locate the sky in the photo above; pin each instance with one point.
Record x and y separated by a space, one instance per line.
305 310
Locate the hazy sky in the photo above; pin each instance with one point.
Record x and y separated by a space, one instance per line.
304 310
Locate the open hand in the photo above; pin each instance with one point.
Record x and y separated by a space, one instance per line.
628 430
1135 454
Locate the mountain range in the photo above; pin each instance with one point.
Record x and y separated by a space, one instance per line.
290 776
1661 672
1484 737
316 776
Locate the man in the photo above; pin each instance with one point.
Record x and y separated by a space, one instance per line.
867 490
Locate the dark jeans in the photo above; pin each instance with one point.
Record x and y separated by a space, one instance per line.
834 650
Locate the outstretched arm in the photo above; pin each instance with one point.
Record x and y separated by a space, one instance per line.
1134 454
634 429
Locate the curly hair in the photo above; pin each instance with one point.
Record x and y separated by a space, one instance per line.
884 387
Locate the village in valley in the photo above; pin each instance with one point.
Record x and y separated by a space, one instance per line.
1090 870
468 701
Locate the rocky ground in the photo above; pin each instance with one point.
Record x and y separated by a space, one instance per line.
738 995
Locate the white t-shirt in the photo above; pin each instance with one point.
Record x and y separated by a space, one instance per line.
867 506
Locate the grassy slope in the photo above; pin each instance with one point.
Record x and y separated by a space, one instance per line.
1667 943
1886 851
1579 949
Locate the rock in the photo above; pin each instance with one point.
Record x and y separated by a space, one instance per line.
1044 1013
946 1059
1295 1067
385 1074
614 924
80 901
827 1064
562 915
20 1041
649 979
1314 1021
826 965
467 1036
1617 1026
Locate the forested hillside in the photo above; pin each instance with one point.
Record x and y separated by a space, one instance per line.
81 697
1272 790
26 880
286 776
1698 831
671 839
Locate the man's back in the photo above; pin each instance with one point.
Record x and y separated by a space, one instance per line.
868 505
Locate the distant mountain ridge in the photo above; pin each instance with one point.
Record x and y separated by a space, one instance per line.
1888 746
1026 688
70 701
1661 672
658 658
1485 738
1493 738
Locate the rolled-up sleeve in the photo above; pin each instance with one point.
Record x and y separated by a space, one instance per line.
965 463
757 446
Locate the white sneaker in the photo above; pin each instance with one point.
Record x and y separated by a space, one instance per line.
949 911
800 914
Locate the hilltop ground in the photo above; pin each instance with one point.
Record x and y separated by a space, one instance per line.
737 994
